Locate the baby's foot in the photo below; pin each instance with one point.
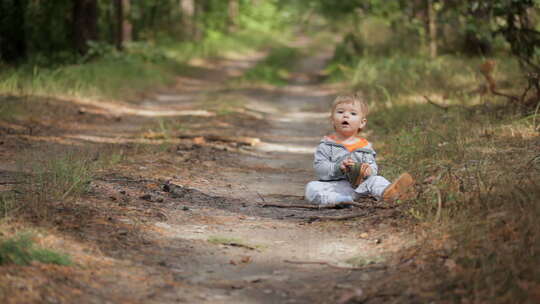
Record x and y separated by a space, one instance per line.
401 188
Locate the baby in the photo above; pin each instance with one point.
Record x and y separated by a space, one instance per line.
345 163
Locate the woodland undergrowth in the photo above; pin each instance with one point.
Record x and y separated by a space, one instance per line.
477 163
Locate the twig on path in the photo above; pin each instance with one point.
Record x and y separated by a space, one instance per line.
440 106
236 244
127 180
240 140
439 205
333 265
262 198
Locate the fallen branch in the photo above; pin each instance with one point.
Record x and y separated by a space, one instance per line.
127 180
486 69
235 244
439 205
331 265
250 141
440 106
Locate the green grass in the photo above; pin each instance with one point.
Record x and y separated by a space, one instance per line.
21 250
59 176
224 240
62 176
104 78
144 66
387 78
476 163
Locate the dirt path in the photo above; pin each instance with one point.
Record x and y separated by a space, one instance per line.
205 238
238 250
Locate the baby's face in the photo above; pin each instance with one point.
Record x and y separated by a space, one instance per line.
348 119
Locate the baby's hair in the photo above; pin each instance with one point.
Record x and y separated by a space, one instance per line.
355 98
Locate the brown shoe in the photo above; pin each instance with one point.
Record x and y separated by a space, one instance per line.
401 188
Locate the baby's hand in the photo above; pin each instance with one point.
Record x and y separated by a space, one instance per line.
346 164
365 170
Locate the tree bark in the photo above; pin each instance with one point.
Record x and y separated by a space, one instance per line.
233 13
85 13
187 14
431 28
124 28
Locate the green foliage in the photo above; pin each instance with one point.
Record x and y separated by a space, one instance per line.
275 68
48 30
476 179
105 72
21 250
45 29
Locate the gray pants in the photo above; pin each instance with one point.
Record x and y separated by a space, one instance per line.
333 192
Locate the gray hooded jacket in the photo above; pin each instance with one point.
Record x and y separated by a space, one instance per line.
330 154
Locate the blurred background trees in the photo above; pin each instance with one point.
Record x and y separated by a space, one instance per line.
74 31
61 30
54 28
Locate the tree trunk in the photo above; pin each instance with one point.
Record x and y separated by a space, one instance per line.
233 13
124 27
432 28
85 13
13 46
197 17
187 8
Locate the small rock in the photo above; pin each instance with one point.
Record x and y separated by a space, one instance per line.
146 197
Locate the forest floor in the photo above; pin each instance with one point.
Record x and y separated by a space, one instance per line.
181 217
